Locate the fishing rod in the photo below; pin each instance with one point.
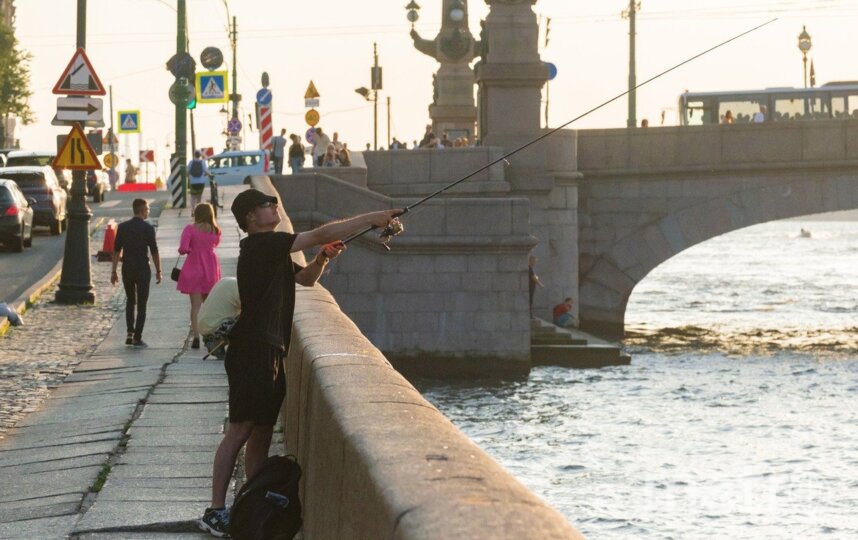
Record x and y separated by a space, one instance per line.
395 227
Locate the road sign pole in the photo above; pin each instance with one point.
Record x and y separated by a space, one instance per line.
76 280
181 155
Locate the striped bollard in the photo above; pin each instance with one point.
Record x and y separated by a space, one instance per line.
266 128
177 190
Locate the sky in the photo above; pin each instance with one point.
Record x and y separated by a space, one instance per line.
331 43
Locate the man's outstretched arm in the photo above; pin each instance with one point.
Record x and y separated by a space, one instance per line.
338 230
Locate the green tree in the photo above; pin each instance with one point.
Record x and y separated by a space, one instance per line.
15 86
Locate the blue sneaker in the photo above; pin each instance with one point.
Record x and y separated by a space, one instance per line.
215 521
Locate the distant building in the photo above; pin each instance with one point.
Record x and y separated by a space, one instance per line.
7 16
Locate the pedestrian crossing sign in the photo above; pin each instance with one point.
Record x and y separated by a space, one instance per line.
129 122
212 87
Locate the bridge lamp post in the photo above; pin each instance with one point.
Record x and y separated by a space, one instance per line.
413 12
804 45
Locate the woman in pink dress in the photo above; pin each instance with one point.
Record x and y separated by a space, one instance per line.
201 269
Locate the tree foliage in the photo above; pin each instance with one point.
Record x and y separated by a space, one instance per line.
14 78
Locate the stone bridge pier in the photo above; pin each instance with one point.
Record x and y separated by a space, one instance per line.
648 194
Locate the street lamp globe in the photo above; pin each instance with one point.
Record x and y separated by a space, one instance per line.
457 12
413 12
804 43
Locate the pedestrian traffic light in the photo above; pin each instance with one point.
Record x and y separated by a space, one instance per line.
192 104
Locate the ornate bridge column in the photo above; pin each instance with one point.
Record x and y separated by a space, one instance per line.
452 109
510 74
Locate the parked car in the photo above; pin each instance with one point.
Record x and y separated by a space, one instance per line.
234 166
18 158
42 185
16 216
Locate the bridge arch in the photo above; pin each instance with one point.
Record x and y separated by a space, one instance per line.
630 225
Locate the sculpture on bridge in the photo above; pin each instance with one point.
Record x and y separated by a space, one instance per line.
452 110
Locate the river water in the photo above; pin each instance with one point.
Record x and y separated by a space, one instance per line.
738 417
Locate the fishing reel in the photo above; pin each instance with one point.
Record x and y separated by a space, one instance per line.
395 227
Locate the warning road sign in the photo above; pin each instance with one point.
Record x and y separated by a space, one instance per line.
76 152
129 122
311 91
212 87
79 78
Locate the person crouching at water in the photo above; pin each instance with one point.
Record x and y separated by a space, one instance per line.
259 340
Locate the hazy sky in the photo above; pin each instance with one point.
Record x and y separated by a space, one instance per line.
330 41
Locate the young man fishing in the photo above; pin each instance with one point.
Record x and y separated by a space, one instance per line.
260 339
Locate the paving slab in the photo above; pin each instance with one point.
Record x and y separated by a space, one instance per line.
55 509
186 470
176 456
113 514
174 440
27 440
201 495
16 471
48 453
43 528
144 536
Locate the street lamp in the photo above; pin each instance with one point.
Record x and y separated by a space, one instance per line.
804 45
371 94
413 12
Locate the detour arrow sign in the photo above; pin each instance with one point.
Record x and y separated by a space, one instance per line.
71 110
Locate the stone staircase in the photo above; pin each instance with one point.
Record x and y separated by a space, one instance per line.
551 345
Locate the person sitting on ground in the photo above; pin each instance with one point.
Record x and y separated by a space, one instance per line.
218 315
562 314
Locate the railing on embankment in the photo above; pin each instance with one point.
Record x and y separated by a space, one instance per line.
380 462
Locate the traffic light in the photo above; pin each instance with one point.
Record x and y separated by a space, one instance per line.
192 104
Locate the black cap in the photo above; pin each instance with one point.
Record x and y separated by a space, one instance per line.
245 202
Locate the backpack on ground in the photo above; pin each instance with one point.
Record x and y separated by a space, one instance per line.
196 168
267 506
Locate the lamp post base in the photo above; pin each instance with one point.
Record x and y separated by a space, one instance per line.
76 280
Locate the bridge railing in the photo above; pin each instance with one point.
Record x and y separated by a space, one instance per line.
742 145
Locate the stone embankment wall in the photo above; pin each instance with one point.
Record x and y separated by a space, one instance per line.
380 462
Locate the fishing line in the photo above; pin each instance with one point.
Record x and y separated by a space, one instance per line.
389 233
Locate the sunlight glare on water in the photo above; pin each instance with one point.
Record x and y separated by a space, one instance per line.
738 417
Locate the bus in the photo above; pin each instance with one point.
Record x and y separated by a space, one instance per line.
835 100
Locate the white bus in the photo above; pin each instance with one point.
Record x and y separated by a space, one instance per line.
833 100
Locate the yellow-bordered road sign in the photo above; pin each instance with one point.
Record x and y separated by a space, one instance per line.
212 87
76 153
111 160
312 117
129 121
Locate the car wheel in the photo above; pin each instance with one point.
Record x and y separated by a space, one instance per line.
18 243
56 227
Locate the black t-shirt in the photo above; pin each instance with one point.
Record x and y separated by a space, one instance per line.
133 237
266 286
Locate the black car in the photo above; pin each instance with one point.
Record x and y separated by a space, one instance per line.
41 184
16 216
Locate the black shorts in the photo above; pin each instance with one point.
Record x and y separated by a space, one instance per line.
257 382
197 189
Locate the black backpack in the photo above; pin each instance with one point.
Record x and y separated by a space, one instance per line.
196 168
267 506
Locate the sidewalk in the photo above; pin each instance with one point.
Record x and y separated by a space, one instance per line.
124 447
